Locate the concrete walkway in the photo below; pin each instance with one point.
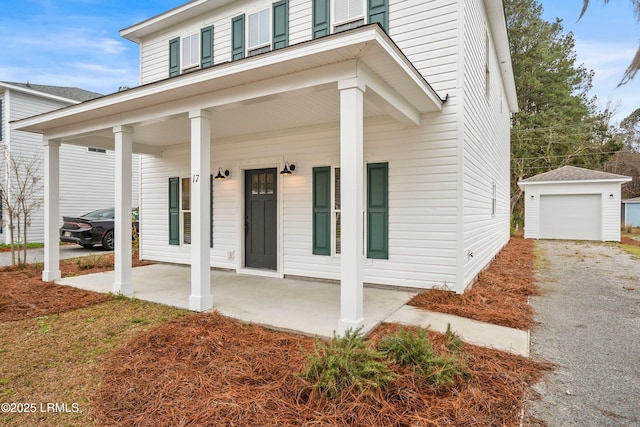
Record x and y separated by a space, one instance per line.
304 306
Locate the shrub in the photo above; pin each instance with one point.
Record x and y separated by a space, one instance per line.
415 349
342 363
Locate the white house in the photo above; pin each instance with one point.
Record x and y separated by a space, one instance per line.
573 203
393 117
87 178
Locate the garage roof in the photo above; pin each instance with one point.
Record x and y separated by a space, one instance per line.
573 173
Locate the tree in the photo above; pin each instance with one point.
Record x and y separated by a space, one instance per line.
633 68
21 196
627 161
558 123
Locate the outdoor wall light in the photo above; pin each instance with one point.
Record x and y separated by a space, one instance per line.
288 169
221 174
611 196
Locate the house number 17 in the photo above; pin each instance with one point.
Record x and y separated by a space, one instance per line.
196 178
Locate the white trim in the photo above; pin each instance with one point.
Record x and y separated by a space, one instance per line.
38 93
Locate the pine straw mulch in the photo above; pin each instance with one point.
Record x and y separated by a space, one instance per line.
501 293
24 295
205 370
629 241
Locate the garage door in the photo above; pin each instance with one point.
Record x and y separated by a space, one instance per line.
571 216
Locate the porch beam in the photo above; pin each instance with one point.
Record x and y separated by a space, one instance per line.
200 298
123 283
351 202
396 106
51 270
317 79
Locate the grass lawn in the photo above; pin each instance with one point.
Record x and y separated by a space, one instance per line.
75 358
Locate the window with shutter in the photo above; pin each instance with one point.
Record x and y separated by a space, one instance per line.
174 211
174 57
259 30
378 11
190 52
321 194
237 37
321 18
378 210
206 47
281 24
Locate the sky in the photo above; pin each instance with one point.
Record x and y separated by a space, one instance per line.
77 43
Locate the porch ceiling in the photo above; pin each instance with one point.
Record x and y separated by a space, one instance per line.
291 87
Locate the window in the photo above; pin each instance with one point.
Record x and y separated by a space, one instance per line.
190 52
327 221
185 210
493 198
96 150
487 74
259 30
347 14
180 210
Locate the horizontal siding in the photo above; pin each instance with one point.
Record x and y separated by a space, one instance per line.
486 148
422 202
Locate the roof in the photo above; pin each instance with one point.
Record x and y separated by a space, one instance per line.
72 93
634 200
573 173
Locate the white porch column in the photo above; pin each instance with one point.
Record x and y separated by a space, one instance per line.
351 170
51 270
123 283
200 298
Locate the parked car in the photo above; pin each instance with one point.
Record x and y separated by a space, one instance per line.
94 228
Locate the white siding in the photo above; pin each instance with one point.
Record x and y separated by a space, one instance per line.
610 205
422 202
86 179
486 151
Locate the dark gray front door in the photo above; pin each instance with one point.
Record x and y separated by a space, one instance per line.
261 223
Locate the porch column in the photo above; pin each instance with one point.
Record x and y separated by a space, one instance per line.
51 270
123 283
200 298
351 170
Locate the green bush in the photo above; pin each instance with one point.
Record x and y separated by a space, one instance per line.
342 363
415 349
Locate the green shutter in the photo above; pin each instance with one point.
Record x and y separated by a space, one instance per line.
280 24
237 37
322 210
378 210
379 12
174 211
321 18
206 47
174 57
211 211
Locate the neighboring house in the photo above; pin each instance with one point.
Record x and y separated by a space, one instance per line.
87 179
572 203
395 114
630 212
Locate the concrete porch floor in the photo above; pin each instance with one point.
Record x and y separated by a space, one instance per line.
304 306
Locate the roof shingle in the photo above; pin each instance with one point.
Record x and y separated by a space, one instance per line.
72 93
573 173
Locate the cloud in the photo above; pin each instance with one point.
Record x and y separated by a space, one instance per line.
609 60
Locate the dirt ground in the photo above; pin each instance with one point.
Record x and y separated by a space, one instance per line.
205 369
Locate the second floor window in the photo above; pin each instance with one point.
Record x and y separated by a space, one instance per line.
348 14
259 34
332 16
190 51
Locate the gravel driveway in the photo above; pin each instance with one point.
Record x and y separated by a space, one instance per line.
589 310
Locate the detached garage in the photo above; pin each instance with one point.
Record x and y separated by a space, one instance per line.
572 203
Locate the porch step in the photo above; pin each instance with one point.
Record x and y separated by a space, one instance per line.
474 332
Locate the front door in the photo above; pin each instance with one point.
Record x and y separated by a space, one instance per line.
261 223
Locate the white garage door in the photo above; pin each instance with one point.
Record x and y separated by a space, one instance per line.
571 216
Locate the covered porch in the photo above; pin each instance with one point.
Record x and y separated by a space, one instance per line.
344 79
305 306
